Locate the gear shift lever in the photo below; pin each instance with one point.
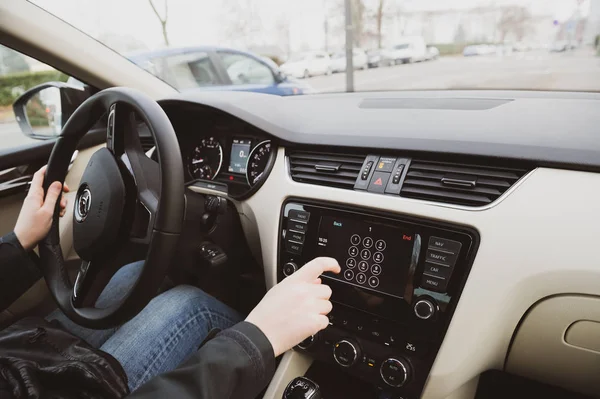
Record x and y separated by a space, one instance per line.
302 388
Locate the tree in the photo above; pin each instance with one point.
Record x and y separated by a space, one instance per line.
163 21
515 20
242 24
379 20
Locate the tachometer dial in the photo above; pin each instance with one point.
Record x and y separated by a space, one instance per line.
206 159
257 162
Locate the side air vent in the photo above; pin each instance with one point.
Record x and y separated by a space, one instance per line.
147 142
453 183
326 169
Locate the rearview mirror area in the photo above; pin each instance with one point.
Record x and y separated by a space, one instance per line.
42 111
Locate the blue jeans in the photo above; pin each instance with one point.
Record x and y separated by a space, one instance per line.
163 335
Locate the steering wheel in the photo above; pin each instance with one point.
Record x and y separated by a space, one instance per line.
125 200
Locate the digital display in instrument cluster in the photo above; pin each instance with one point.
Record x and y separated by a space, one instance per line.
371 255
240 150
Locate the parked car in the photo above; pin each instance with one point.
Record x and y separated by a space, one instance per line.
359 60
409 49
432 53
479 49
218 68
379 58
308 64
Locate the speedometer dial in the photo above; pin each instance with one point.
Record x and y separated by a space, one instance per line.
206 159
257 162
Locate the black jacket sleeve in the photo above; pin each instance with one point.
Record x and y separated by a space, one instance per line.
237 363
18 271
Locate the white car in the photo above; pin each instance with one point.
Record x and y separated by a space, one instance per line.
408 50
309 64
359 60
432 53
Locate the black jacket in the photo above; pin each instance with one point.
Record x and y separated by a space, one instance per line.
238 363
18 271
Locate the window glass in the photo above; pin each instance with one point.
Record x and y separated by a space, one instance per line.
19 73
182 71
246 70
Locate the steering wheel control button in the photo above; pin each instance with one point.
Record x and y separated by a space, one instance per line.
376 269
367 242
444 244
394 372
365 254
361 278
373 282
346 352
378 257
437 270
424 309
378 182
299 227
441 257
348 274
299 216
433 283
351 263
293 248
363 266
353 251
289 269
355 239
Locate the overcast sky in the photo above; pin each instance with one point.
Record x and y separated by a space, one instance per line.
197 22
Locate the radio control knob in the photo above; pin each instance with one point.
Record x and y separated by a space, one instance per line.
289 269
395 371
346 352
425 309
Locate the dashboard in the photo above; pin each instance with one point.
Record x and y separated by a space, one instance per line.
473 212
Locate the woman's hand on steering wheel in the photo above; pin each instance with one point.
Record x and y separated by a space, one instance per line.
35 218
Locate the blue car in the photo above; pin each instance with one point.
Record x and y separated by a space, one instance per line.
218 68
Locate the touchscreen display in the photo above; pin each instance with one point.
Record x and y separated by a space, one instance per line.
371 255
240 149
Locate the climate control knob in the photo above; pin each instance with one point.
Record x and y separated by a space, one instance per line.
395 371
346 352
425 309
289 269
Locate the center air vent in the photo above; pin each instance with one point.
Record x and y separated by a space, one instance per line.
327 169
147 142
454 183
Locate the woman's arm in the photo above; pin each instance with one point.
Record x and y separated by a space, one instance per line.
18 269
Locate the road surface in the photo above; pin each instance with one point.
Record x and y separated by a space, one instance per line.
538 70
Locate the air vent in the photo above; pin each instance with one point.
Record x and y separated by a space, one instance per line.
147 142
326 169
453 183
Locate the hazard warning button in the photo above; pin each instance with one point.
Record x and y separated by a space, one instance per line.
378 182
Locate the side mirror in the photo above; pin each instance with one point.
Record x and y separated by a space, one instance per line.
42 111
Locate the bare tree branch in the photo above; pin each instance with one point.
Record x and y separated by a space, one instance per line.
163 22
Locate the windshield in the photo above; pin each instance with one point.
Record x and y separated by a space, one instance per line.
424 44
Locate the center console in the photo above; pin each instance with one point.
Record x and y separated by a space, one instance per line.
393 300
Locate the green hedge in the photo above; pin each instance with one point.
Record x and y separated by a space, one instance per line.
25 81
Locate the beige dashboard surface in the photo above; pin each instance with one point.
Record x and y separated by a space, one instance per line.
538 240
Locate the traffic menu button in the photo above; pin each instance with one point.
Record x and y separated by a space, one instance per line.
443 257
298 215
378 182
437 270
445 244
436 284
297 226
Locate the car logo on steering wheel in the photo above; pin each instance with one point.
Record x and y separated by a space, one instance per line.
83 205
